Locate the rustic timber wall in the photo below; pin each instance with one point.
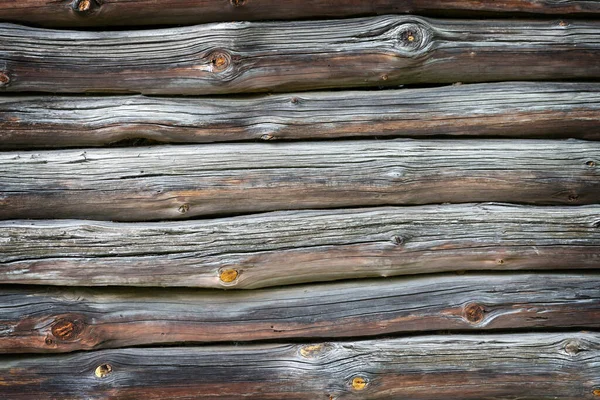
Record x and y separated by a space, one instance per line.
225 199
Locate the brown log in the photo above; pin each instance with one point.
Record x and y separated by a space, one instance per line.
462 367
286 56
300 246
152 12
177 182
61 320
520 110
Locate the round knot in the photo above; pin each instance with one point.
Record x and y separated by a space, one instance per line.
359 383
102 371
228 275
474 313
85 7
220 61
412 37
4 79
66 329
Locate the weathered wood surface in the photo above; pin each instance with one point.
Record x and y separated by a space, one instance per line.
524 366
300 246
62 320
285 56
175 182
522 109
152 12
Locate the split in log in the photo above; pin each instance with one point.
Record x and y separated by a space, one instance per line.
300 246
177 182
467 367
287 56
152 12
523 109
62 320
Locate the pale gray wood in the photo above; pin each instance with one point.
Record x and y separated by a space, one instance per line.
285 56
177 182
520 110
103 13
300 246
511 366
36 319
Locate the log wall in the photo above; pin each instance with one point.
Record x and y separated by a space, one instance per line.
301 200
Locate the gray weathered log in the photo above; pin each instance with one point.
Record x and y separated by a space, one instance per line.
176 182
562 366
522 109
151 12
300 246
285 56
61 320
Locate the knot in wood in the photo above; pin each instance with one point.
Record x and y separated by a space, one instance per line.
184 208
84 7
591 163
103 370
596 392
220 61
66 329
228 275
474 313
238 3
359 383
413 36
4 79
572 347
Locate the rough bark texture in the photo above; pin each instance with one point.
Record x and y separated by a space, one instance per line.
300 246
61 320
175 182
151 12
527 366
517 110
283 56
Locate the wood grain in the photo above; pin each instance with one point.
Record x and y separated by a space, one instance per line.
177 182
151 12
61 320
520 110
300 246
523 366
286 56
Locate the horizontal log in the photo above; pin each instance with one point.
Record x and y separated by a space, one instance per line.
300 246
504 109
286 56
176 182
525 366
62 320
153 12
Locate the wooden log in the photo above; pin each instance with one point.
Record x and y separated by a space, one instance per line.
62 320
176 182
509 366
287 56
153 12
300 246
520 110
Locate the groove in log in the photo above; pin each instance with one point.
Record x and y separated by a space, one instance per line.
523 109
153 12
176 182
62 320
300 246
286 56
469 367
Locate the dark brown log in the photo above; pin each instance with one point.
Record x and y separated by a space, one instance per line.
176 182
504 109
300 246
523 366
62 320
286 56
152 12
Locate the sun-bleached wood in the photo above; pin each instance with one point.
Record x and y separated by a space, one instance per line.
462 367
36 319
518 109
285 56
300 246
